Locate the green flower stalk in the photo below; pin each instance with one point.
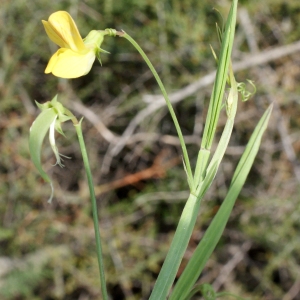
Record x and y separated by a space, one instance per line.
52 115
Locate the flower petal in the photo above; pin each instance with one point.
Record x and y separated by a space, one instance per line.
63 31
52 62
66 63
53 35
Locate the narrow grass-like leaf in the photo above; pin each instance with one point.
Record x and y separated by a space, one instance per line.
177 249
214 232
231 107
190 212
221 76
170 107
206 183
202 161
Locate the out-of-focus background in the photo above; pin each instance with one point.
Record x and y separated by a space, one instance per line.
48 251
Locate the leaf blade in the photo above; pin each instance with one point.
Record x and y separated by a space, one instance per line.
214 232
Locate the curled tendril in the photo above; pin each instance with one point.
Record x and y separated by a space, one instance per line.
245 93
208 292
111 32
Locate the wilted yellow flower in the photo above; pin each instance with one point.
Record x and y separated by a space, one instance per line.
76 55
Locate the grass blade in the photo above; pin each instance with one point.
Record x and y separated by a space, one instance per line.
219 85
181 238
214 232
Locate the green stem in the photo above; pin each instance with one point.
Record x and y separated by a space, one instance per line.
177 249
173 115
94 209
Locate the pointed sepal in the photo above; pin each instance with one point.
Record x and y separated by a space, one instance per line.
37 134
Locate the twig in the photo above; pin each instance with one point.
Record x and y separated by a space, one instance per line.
96 121
157 102
89 114
158 169
293 291
230 265
250 61
249 30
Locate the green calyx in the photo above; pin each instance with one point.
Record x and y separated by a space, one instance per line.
94 40
52 115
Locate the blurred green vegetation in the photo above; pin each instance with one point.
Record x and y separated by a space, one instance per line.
47 251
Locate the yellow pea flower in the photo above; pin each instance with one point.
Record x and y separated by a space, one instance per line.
76 55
